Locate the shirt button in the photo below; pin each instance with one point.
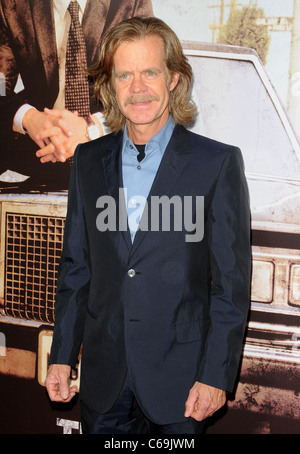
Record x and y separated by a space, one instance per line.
139 167
131 273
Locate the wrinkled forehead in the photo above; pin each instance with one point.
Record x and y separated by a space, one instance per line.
147 51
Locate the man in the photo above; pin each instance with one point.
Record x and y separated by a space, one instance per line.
33 44
160 314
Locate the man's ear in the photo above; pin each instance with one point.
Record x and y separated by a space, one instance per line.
174 81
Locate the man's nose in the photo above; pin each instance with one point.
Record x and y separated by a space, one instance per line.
137 85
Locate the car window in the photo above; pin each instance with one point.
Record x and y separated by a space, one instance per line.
235 107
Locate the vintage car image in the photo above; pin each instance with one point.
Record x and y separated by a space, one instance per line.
237 104
242 108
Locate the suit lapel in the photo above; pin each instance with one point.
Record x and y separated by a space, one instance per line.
112 167
93 22
173 163
43 21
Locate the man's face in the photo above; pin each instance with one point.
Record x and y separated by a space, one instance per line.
142 84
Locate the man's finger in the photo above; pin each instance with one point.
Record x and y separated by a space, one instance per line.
190 404
64 127
64 389
48 132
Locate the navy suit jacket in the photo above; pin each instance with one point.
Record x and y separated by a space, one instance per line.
180 316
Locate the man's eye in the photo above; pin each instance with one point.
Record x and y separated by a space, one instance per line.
150 73
123 76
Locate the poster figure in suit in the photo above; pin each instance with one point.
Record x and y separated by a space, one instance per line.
160 316
33 45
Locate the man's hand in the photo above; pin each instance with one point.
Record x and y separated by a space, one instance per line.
56 132
57 383
72 131
45 131
203 400
36 122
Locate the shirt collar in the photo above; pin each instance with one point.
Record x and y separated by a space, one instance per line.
161 139
62 6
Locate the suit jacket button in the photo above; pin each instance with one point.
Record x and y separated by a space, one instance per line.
131 273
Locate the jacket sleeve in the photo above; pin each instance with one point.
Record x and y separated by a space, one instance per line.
73 279
230 255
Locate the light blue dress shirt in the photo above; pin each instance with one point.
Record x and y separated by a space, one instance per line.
138 176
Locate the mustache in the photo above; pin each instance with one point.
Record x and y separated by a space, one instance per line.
140 98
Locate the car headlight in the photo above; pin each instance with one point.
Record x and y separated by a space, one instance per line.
294 292
262 281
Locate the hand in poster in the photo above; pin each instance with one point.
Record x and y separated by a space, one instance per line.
56 132
203 401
